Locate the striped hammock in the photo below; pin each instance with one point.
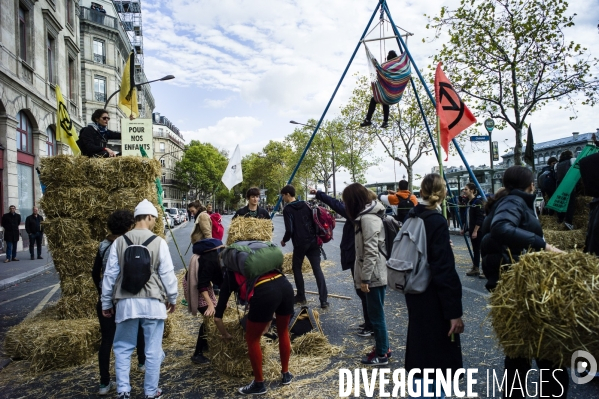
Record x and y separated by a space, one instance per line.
389 80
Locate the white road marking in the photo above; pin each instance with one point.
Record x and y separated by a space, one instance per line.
476 292
23 296
43 303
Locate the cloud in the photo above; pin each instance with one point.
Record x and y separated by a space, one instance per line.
215 103
226 133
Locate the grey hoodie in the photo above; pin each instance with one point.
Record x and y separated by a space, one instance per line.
370 265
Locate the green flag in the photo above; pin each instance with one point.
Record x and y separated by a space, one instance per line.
561 197
158 184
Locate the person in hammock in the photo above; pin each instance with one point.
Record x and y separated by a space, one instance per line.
372 106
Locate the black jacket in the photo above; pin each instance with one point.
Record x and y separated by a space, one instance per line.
476 214
347 245
429 313
592 240
11 224
209 270
299 224
510 229
262 213
34 225
92 143
561 169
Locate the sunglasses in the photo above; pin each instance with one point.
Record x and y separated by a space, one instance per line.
105 118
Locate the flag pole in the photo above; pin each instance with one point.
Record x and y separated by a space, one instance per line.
440 160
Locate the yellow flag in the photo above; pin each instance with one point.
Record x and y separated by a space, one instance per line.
65 130
128 93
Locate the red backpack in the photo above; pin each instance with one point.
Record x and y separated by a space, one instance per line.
324 223
217 228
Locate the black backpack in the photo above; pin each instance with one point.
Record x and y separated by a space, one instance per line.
403 208
547 181
137 265
391 227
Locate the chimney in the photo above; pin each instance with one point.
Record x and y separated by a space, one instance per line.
156 117
575 135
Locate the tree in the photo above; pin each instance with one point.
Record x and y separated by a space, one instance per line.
201 169
511 58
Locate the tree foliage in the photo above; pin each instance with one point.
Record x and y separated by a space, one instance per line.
511 58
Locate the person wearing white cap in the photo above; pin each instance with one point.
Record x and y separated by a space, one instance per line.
140 302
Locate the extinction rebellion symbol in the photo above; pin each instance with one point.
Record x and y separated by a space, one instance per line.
445 90
65 121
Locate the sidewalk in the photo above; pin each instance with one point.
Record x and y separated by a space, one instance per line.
12 273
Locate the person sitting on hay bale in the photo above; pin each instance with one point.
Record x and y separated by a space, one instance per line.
511 229
252 209
204 270
140 278
119 222
94 137
272 294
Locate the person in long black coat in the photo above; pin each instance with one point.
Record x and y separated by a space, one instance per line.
10 223
435 316
348 254
94 137
590 180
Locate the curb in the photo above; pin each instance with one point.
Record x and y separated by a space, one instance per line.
9 282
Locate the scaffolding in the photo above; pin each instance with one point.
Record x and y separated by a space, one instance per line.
130 14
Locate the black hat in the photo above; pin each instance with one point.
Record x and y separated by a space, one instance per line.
392 54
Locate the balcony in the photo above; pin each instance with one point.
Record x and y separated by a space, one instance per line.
100 58
101 97
98 17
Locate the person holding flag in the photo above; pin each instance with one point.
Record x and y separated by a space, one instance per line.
94 137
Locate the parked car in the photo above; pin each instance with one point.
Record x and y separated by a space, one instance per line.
183 215
174 212
168 221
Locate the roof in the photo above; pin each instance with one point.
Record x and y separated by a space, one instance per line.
582 138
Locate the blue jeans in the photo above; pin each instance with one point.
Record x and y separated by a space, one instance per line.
11 250
418 382
125 340
375 300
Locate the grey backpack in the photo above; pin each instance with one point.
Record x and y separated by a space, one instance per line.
407 268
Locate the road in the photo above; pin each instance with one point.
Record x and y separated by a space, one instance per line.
339 322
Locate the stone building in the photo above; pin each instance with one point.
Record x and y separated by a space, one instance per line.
168 149
39 49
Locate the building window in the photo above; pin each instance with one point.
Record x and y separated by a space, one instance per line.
70 13
578 150
100 89
99 52
51 142
72 79
23 36
162 163
161 146
25 184
51 52
24 137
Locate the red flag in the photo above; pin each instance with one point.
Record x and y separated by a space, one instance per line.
453 114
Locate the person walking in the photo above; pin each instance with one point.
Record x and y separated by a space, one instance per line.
566 160
10 223
475 216
119 222
146 309
513 230
252 209
435 316
35 230
348 254
202 228
299 227
94 137
370 270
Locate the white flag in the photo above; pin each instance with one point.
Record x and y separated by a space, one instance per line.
233 174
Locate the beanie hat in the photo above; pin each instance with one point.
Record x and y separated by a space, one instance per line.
145 207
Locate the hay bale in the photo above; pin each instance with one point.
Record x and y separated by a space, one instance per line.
566 240
547 306
66 232
247 229
288 264
313 344
68 202
62 171
121 172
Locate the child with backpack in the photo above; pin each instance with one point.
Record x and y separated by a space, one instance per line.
370 272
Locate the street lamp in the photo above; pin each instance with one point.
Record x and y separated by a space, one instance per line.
332 154
137 86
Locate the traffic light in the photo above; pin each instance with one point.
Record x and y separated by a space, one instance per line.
184 198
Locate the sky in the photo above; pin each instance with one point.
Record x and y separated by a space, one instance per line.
245 68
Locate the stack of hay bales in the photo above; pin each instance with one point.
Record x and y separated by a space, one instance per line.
558 235
80 194
547 306
248 229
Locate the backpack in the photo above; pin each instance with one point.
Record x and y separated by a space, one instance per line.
392 227
137 265
324 224
218 231
252 259
407 268
547 181
404 206
99 264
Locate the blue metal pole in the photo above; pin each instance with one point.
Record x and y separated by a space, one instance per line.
455 143
381 2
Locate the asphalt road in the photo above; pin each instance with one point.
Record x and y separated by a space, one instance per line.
339 322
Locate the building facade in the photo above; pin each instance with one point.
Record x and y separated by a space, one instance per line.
168 149
39 50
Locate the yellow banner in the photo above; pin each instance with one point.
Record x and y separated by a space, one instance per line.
65 130
128 93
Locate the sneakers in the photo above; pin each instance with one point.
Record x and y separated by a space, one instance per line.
105 389
141 368
200 359
6 260
366 332
384 125
39 257
299 300
123 395
365 123
373 353
158 394
324 305
15 260
254 388
569 226
473 272
375 361
286 378
362 326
